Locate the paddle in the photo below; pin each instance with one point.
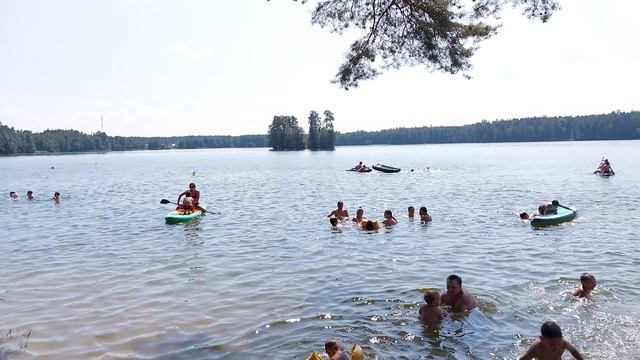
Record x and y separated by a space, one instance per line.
568 208
165 201
597 170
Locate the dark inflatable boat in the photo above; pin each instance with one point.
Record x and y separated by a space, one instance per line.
385 168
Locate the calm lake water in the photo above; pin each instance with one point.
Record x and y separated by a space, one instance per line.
101 275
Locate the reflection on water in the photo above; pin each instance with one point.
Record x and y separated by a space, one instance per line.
102 275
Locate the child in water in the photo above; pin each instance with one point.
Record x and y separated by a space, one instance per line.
389 219
411 212
334 223
588 283
13 195
370 225
56 197
550 345
430 313
424 216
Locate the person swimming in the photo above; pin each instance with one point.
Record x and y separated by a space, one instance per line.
370 225
389 219
359 216
335 224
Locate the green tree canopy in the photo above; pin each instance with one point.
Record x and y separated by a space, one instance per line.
313 141
286 134
442 35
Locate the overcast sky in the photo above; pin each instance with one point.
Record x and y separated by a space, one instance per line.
203 67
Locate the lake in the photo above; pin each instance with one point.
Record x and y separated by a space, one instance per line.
101 275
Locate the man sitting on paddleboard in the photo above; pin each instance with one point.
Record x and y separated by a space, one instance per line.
605 167
195 195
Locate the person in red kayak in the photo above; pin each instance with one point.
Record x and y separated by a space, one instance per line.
194 194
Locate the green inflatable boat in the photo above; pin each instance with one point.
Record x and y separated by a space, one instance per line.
561 215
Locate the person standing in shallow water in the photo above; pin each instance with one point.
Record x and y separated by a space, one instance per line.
30 195
56 197
340 212
457 299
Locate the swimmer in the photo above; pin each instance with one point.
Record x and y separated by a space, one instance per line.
424 216
456 298
359 216
411 212
430 313
335 350
550 344
335 225
587 284
389 220
370 225
340 212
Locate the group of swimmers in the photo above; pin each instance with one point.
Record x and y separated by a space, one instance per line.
13 196
550 344
341 214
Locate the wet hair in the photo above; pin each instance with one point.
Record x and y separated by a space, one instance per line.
430 296
340 203
423 208
551 330
457 278
56 193
192 185
29 192
555 202
369 225
411 207
388 212
12 192
360 209
187 193
524 215
586 276
332 344
333 221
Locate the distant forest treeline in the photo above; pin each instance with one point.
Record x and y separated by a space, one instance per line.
613 126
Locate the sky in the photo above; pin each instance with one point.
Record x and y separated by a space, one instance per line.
214 67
